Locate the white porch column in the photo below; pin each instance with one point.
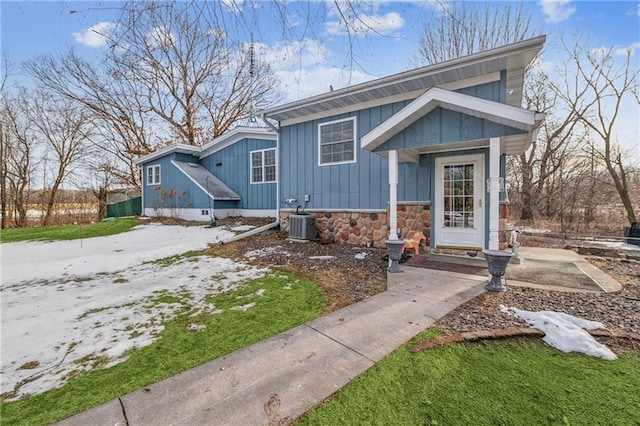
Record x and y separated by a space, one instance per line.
393 195
494 193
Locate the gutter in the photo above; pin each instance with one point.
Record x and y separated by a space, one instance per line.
250 233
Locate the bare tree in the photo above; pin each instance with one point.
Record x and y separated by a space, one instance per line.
550 151
192 75
120 116
463 28
64 127
18 146
604 78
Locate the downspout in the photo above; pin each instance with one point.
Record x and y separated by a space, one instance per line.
277 221
250 233
142 191
275 129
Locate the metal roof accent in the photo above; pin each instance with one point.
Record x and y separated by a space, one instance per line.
513 58
206 181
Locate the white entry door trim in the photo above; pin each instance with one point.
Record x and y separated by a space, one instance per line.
459 202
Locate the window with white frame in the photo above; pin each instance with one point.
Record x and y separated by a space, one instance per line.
263 166
153 175
337 142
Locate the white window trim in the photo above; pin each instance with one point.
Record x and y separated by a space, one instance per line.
262 151
355 145
153 167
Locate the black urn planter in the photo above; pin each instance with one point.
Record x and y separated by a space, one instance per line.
394 248
497 261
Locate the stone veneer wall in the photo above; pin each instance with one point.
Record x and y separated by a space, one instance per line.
504 235
367 228
372 228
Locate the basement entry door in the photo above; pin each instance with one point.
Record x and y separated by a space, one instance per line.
459 202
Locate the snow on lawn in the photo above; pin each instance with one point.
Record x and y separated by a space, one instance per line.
66 308
564 332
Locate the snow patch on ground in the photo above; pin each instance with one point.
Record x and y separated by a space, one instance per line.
619 245
321 257
24 261
242 228
67 308
564 332
252 254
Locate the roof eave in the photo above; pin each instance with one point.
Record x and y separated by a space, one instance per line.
532 46
180 148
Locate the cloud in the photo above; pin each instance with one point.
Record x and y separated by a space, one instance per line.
617 50
623 51
292 54
234 6
361 24
438 6
542 66
160 37
557 10
304 83
634 11
96 35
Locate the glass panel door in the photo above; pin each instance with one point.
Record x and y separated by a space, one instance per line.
458 196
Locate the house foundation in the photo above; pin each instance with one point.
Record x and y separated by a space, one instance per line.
369 228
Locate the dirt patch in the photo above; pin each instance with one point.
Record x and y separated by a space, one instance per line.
333 267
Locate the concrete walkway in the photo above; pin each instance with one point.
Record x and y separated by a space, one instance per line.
281 378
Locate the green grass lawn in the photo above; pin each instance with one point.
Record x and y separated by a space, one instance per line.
67 232
178 349
498 383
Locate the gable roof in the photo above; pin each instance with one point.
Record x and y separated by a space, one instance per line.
206 181
222 141
497 112
237 135
513 58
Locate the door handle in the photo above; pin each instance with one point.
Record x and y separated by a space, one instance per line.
480 202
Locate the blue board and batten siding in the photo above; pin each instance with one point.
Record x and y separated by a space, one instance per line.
364 183
232 165
176 191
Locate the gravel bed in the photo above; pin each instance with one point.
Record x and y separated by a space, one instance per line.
344 278
617 311
347 280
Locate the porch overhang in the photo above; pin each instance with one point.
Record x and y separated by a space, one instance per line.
514 117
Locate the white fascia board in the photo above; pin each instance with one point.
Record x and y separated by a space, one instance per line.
179 147
236 135
494 111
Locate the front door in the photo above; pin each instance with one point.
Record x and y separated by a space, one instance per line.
459 202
